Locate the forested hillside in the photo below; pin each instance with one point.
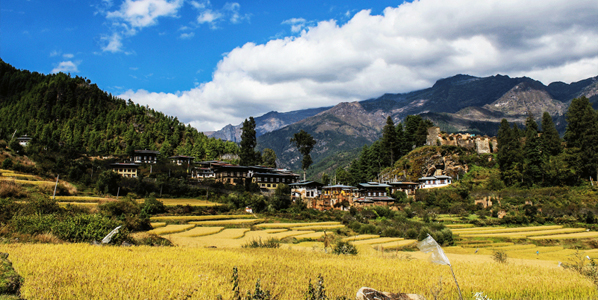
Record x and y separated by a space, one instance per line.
74 116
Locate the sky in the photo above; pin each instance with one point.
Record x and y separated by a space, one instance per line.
213 63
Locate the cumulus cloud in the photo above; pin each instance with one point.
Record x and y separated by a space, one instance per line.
186 35
143 13
405 48
66 67
211 16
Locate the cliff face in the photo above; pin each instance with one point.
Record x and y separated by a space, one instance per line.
435 160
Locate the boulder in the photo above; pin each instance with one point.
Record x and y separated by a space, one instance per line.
366 293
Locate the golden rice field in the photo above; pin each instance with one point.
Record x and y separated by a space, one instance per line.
190 202
158 224
360 237
489 230
86 204
82 271
395 244
171 229
451 226
32 182
82 199
227 222
376 241
525 234
200 218
579 235
319 227
200 231
290 225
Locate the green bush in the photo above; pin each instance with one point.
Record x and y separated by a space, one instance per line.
344 248
258 243
7 163
87 228
152 206
33 224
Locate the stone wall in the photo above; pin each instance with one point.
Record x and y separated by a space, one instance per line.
482 144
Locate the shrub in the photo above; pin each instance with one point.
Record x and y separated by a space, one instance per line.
152 206
344 248
10 280
11 189
269 243
500 256
87 228
7 163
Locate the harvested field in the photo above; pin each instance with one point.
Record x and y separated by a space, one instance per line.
200 218
171 229
227 222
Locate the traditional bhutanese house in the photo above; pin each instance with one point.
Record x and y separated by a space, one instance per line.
334 197
306 189
146 156
434 181
125 169
202 173
24 140
373 193
182 160
230 174
373 189
269 178
403 186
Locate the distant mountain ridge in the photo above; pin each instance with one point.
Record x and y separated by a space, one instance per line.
458 103
266 123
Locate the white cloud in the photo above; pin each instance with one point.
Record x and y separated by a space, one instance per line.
297 24
54 53
68 55
187 35
66 67
112 43
406 48
230 11
143 13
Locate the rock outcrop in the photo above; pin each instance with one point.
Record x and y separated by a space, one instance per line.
366 293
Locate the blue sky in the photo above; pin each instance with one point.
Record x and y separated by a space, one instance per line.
212 63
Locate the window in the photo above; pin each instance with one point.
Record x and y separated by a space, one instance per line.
277 179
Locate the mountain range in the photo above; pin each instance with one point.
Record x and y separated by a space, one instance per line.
461 103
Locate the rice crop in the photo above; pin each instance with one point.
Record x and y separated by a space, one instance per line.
87 204
319 227
171 229
183 202
395 245
158 224
313 235
455 226
200 231
200 218
227 222
227 238
516 247
82 199
376 241
572 236
524 234
360 237
32 182
506 230
486 245
144 272
477 229
290 225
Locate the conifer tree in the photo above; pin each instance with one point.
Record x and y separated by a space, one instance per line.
581 136
304 143
248 142
550 141
532 163
390 150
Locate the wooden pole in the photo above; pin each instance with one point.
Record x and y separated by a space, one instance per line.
57 177
458 288
117 193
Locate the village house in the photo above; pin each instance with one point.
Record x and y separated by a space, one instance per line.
182 160
305 189
146 156
334 197
24 140
129 170
373 193
434 181
269 178
404 186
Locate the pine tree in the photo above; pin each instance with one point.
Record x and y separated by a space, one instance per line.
390 150
581 136
304 143
269 158
550 140
248 142
532 163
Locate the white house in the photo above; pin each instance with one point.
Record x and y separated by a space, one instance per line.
434 181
